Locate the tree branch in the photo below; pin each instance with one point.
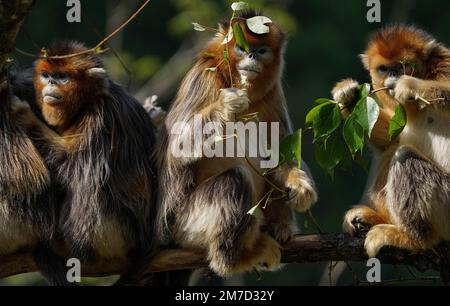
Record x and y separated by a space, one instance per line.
303 249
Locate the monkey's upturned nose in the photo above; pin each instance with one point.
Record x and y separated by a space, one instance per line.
391 82
252 55
392 74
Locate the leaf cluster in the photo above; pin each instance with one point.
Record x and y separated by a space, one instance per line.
339 141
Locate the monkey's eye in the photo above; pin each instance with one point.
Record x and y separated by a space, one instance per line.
262 51
60 75
240 48
383 69
45 75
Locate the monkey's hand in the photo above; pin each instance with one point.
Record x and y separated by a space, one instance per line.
345 94
18 105
405 89
301 192
22 111
235 101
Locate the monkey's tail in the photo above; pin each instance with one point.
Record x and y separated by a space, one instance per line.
52 266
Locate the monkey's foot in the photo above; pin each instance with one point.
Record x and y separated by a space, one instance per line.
281 232
265 256
344 92
268 257
376 239
390 235
301 192
360 219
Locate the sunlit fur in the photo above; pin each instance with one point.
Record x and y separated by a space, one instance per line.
204 202
409 195
102 155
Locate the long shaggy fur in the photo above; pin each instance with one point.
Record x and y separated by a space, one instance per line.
204 202
409 193
200 89
103 158
25 194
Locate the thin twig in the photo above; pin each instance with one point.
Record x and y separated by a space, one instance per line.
25 53
331 267
264 177
378 90
314 221
423 100
99 45
354 275
437 100
119 59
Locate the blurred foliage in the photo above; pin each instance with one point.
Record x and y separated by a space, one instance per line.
325 38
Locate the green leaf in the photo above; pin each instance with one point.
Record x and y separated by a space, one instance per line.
366 113
323 101
296 146
240 37
286 154
291 148
229 36
314 113
330 154
239 6
325 119
256 211
398 122
364 90
353 135
258 24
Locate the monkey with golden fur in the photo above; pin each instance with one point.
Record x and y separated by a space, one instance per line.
204 201
100 147
410 196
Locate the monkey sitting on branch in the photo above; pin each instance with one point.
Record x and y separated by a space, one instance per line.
410 195
205 201
100 148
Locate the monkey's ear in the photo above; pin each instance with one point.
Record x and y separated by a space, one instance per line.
365 60
433 48
98 73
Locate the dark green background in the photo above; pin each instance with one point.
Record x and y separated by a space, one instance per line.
325 38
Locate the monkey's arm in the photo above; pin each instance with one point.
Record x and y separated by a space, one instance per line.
231 101
299 185
35 128
409 88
